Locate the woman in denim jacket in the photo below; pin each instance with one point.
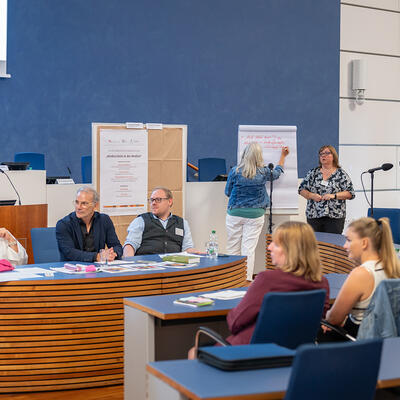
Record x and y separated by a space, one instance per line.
370 243
248 200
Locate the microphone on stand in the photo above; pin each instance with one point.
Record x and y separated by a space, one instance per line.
19 198
371 171
384 167
271 167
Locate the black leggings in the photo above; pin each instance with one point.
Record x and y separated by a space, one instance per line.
326 224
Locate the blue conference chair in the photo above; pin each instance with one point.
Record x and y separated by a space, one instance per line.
394 217
288 319
344 371
44 245
86 166
35 160
210 168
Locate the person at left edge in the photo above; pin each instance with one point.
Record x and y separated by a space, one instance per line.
83 233
11 249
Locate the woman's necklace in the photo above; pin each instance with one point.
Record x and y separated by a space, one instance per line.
327 172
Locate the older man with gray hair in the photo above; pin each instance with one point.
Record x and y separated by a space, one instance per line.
83 233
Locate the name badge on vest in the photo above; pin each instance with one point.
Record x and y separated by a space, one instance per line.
178 231
324 183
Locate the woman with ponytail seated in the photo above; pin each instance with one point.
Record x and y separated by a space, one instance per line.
369 242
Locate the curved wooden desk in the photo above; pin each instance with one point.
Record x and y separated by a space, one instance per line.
333 256
67 331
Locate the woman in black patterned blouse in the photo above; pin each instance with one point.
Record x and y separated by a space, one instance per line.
326 189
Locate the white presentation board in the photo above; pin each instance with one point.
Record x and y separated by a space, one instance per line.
3 39
271 138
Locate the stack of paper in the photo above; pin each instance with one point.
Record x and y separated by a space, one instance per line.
226 294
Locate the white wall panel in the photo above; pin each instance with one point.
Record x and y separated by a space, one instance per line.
386 4
382 75
374 122
370 30
397 167
356 159
358 207
30 184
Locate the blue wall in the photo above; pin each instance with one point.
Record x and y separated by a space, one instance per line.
210 64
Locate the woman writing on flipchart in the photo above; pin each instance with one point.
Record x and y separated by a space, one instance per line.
248 200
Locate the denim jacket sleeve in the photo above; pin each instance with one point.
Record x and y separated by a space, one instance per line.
382 317
229 182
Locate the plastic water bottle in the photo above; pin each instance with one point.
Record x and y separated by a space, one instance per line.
212 245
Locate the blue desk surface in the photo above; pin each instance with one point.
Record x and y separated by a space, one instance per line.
200 381
163 306
205 262
332 238
190 375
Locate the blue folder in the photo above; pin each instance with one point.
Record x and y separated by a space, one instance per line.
249 356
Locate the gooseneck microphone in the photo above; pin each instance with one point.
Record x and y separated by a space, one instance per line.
384 167
19 198
271 166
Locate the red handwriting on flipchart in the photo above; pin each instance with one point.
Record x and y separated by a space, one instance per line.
270 141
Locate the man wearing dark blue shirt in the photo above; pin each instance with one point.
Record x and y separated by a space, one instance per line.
83 233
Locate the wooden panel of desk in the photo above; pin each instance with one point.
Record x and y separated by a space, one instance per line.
64 333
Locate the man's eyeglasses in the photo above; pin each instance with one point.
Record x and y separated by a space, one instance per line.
325 153
83 204
157 199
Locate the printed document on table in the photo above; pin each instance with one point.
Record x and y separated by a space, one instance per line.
34 270
184 253
17 275
225 294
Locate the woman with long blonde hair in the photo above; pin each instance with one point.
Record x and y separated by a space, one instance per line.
248 200
369 242
295 255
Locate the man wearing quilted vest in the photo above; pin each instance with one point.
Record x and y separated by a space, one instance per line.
158 231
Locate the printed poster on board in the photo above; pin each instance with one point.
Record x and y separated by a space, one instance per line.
123 171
